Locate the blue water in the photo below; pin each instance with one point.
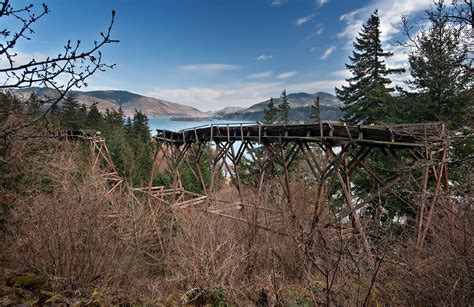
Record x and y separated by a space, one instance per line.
167 124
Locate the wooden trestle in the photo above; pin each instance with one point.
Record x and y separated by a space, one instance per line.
332 152
101 159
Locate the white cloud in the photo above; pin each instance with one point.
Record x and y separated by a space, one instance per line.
315 86
343 73
22 58
322 2
312 49
277 2
264 57
261 75
286 75
298 22
351 15
319 30
389 14
219 96
238 94
208 68
328 52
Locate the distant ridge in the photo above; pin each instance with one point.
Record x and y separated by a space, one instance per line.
113 99
153 107
300 108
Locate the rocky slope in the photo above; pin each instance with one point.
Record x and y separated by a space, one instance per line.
152 107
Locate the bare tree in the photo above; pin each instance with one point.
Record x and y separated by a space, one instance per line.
462 12
69 69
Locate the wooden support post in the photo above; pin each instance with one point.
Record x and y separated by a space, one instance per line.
435 198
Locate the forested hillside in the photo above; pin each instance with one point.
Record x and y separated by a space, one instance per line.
300 104
114 99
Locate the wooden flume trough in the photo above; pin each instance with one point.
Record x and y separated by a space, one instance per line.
332 152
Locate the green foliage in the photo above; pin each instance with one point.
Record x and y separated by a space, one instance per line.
441 71
315 114
270 113
94 118
284 108
129 142
442 85
139 139
69 117
367 96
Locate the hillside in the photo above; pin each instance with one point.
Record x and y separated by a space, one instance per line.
113 99
300 108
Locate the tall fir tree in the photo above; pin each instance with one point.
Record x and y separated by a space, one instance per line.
284 108
441 71
366 99
140 141
94 118
70 112
270 113
315 113
442 84
82 115
140 127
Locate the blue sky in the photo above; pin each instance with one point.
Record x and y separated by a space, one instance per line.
216 53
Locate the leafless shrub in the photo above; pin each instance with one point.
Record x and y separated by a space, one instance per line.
71 230
66 226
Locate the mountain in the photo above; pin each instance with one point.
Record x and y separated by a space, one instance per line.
112 99
226 110
300 108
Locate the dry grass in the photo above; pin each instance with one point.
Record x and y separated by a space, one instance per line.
63 225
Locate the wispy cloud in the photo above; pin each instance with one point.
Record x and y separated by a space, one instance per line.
219 96
298 22
278 2
260 75
238 94
322 2
343 73
208 68
389 13
319 30
264 57
286 75
22 58
328 52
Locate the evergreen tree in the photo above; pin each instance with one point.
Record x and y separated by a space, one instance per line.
140 141
69 113
443 86
128 126
367 96
140 127
33 106
442 71
315 114
270 113
82 116
284 108
55 118
94 118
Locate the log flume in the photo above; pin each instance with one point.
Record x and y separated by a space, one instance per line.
332 152
414 171
407 135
